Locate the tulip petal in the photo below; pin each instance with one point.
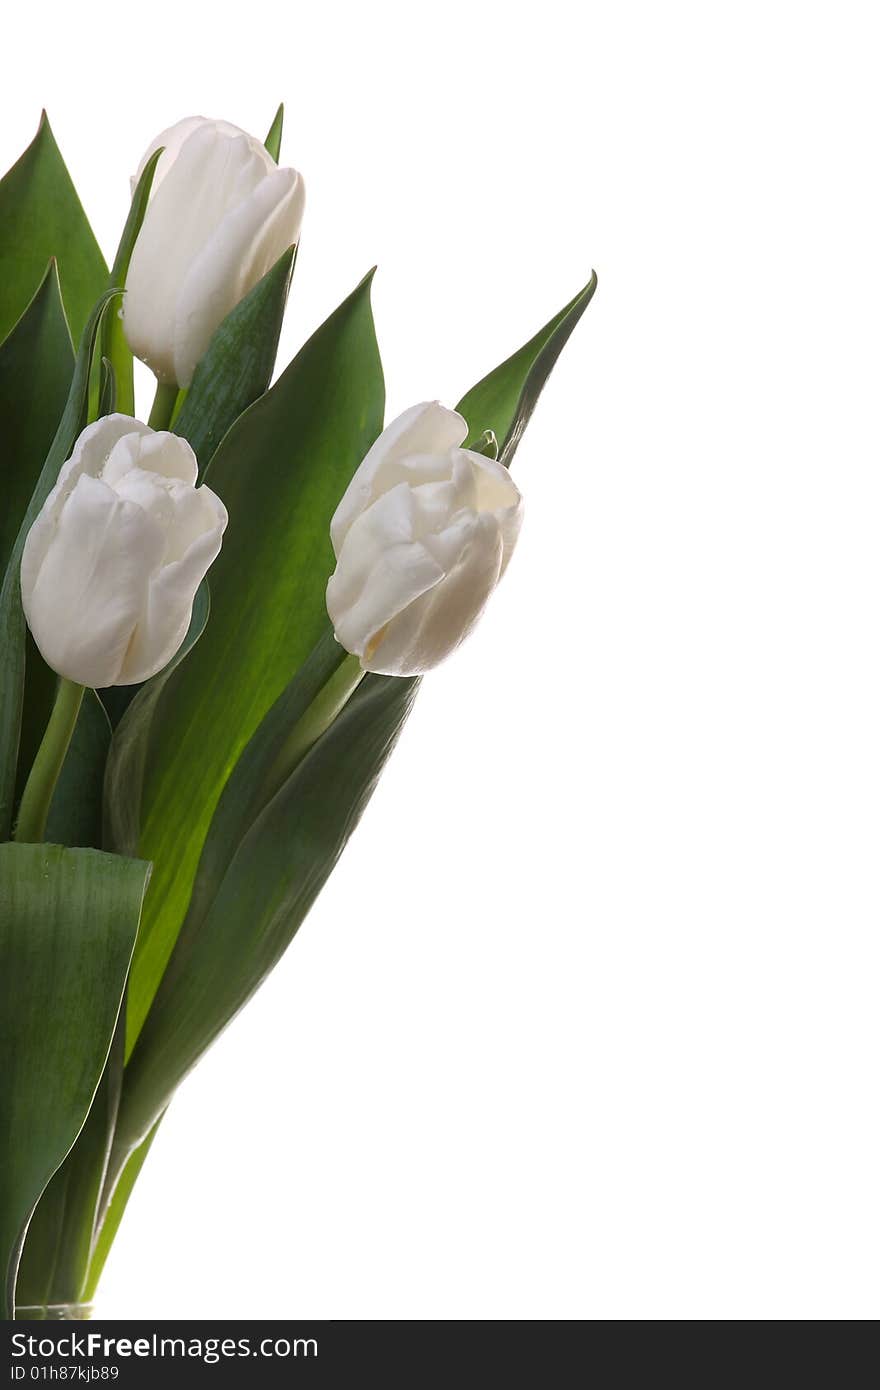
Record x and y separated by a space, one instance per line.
424 429
243 247
437 622
212 173
171 592
82 602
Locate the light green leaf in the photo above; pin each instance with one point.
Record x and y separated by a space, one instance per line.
504 400
36 364
280 470
41 217
68 920
273 139
12 624
238 365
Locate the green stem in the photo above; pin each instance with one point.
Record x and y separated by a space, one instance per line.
164 402
43 777
327 704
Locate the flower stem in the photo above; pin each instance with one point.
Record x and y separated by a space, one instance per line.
330 701
164 402
43 777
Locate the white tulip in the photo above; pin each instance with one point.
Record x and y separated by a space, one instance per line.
220 214
112 563
422 536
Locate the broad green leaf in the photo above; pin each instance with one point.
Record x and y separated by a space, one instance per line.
41 217
113 344
504 400
115 1211
68 920
270 883
238 365
75 815
36 364
58 1245
273 139
12 624
280 470
265 765
124 778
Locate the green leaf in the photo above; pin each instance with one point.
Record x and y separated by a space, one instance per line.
36 364
58 1245
504 400
41 217
68 920
270 883
238 365
267 762
280 470
12 624
118 1201
273 139
113 344
75 815
124 778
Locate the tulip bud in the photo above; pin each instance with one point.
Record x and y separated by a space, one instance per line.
112 563
220 214
422 536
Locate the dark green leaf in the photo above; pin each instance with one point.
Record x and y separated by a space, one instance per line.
280 470
36 364
273 139
75 816
238 365
504 400
40 217
271 882
124 780
12 624
58 1245
68 920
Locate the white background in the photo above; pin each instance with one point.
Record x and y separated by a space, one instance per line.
585 1023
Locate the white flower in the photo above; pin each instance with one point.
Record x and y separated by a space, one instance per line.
112 563
421 537
220 214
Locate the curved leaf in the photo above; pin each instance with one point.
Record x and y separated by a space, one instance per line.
271 882
68 920
504 400
40 217
36 364
280 470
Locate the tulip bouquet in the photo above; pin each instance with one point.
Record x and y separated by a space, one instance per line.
213 626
